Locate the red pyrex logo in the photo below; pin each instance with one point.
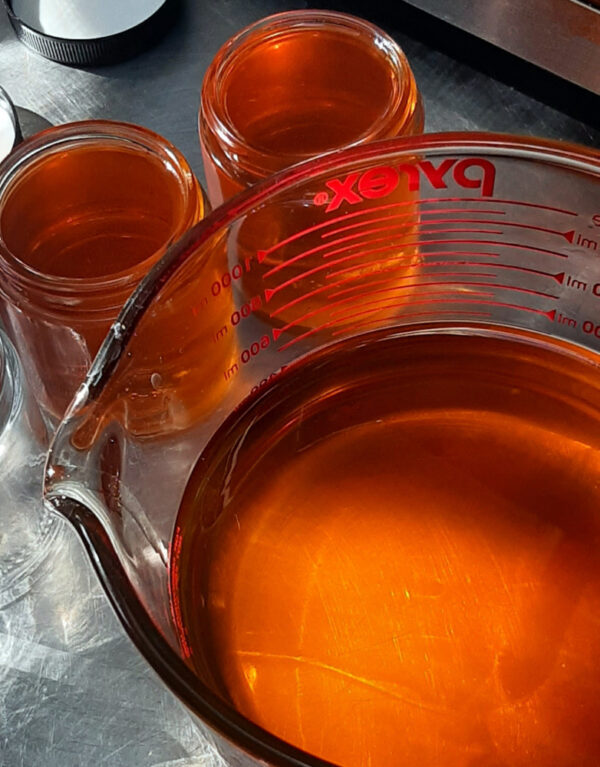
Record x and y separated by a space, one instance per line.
470 173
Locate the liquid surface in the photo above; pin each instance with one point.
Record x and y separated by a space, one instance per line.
391 555
300 92
288 96
92 211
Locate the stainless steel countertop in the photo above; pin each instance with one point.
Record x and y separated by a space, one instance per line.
73 691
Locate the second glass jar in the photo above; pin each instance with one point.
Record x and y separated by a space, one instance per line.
299 84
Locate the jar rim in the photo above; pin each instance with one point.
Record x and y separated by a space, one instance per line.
79 133
261 162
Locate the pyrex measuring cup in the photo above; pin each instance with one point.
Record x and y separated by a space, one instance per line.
445 234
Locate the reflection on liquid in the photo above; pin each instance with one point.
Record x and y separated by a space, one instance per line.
393 556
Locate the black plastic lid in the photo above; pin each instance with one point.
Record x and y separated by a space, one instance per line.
147 21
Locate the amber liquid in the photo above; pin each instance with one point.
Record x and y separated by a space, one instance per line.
91 219
299 94
293 96
391 556
91 212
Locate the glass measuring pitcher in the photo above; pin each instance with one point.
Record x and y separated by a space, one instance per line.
441 278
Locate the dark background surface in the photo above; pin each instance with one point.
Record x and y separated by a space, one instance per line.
486 90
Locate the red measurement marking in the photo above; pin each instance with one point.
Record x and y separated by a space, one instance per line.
419 243
354 214
298 278
297 339
527 226
312 251
455 262
432 295
319 310
389 206
391 269
388 229
569 236
549 314
451 221
504 202
470 299
361 286
516 288
456 221
558 276
364 212
409 316
395 268
401 305
410 245
523 247
407 259
313 331
328 307
407 262
416 216
421 257
459 284
360 236
303 297
463 300
343 217
417 219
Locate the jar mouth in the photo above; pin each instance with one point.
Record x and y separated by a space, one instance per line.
94 136
379 100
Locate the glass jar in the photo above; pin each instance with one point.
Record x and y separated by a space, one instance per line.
85 210
298 84
292 86
27 530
